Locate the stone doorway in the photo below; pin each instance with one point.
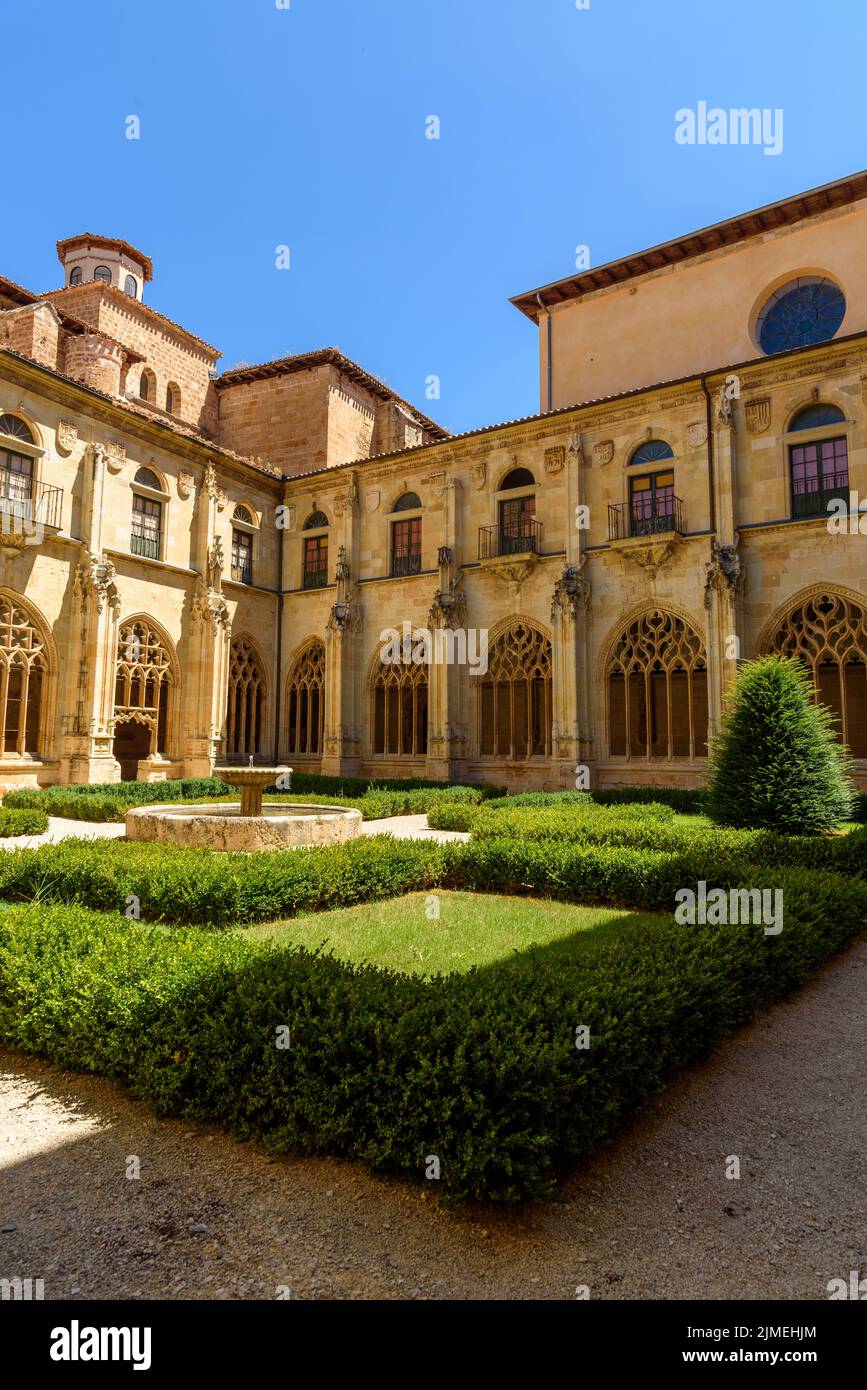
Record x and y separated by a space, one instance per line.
132 742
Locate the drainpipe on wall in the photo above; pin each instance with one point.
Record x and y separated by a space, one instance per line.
710 463
279 685
549 350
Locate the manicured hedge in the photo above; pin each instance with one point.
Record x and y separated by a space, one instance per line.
480 1070
111 802
218 890
22 822
846 853
575 807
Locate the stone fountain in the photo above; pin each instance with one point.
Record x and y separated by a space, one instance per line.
250 826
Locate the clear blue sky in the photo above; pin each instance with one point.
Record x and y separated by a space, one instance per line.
262 126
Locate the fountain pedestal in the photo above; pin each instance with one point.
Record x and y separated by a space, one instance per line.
249 827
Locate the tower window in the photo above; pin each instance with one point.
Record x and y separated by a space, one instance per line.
130 286
102 272
75 275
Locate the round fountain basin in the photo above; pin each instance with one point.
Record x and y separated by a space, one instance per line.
222 827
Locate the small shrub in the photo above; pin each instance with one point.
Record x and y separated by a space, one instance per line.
777 764
22 822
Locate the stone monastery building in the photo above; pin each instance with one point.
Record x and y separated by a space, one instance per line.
197 568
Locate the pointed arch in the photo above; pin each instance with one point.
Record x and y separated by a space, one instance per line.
514 696
656 685
398 687
146 692
28 665
305 698
246 702
825 628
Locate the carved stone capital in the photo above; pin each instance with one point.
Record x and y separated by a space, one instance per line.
571 593
724 572
96 579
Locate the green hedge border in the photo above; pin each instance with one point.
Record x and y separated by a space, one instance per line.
479 1069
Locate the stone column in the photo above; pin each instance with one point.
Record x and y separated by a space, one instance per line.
206 677
88 741
725 576
341 754
452 659
571 737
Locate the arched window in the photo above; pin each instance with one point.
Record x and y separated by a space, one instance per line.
400 708
147 516
173 399
246 703
828 633
130 286
514 696
409 502
651 451
819 468
16 428
406 537
816 417
314 559
103 273
804 311
517 531
16 470
657 690
23 677
306 700
147 387
75 275
519 477
242 545
142 698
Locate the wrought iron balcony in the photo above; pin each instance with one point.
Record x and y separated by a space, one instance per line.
43 507
146 546
524 539
402 565
625 521
815 503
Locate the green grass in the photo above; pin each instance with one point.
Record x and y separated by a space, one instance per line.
472 930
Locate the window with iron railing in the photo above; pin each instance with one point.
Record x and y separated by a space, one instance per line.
315 569
242 557
651 504
518 530
146 533
406 546
820 474
16 483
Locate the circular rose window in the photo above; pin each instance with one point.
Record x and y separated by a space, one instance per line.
807 310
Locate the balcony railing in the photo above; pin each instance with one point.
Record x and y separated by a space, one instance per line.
146 546
402 565
44 507
625 522
815 503
525 539
316 577
243 574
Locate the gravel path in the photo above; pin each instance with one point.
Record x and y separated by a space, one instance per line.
652 1217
